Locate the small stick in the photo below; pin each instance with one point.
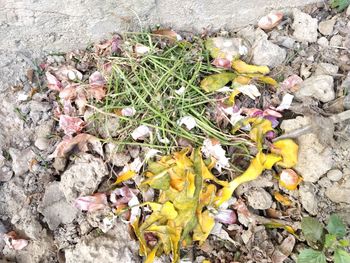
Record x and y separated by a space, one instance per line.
336 118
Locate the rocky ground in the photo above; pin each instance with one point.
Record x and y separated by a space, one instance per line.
36 194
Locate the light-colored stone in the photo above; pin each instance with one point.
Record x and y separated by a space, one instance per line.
259 199
21 160
339 192
83 177
308 198
326 27
118 159
334 175
323 42
266 53
114 246
55 208
305 27
261 182
326 69
336 41
314 159
287 42
320 87
41 143
325 182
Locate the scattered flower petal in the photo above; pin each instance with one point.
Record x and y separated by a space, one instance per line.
292 83
69 92
71 125
216 81
52 82
13 242
284 200
97 80
141 132
222 63
243 68
226 48
66 73
250 90
270 21
140 49
80 143
128 112
286 102
91 203
189 122
289 179
226 216
180 91
214 149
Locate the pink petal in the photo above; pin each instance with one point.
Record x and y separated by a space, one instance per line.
69 92
271 112
116 44
13 242
226 216
71 125
52 82
273 120
270 21
97 92
68 109
91 203
222 63
97 80
292 83
121 196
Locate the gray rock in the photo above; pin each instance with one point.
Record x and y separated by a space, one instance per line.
251 34
308 198
55 208
323 42
266 53
262 181
326 69
305 27
108 127
83 177
287 42
259 199
44 130
319 87
2 160
336 41
325 182
115 244
339 192
5 174
326 27
334 175
41 143
311 152
59 164
118 159
20 160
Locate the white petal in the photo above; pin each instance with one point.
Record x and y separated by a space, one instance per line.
180 91
225 89
141 49
141 131
128 111
215 151
189 122
286 102
250 90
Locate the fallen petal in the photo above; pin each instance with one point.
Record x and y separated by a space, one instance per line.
270 21
141 132
244 68
71 125
169 33
14 242
97 80
226 216
52 82
215 150
292 83
128 112
250 90
222 63
286 102
289 179
189 122
91 203
140 49
69 92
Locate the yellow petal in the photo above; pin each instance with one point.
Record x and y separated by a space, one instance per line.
207 195
284 200
232 97
168 211
152 254
243 80
289 179
242 67
216 81
125 176
159 181
190 184
288 149
263 79
270 160
260 126
206 223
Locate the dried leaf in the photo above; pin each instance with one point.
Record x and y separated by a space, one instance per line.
78 143
97 84
270 21
91 203
284 200
12 241
71 125
69 92
244 68
289 179
168 33
52 82
216 81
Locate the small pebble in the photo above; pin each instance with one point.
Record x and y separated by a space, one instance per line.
323 42
336 41
334 175
42 143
